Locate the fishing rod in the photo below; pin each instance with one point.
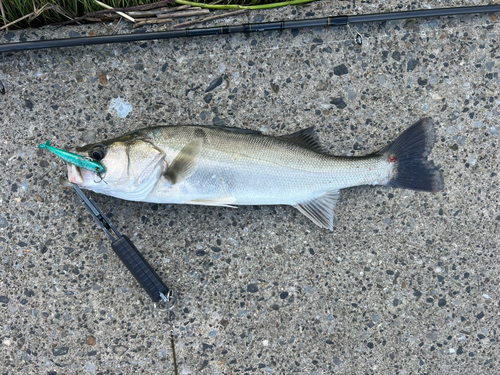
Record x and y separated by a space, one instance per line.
248 28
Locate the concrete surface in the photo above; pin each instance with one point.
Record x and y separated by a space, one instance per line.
406 284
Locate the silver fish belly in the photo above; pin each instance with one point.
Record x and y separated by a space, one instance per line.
228 166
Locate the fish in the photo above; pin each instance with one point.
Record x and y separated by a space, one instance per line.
75 159
224 166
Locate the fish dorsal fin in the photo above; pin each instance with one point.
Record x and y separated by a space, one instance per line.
321 210
306 138
185 163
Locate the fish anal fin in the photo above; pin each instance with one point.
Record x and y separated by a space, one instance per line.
321 210
306 138
219 201
185 163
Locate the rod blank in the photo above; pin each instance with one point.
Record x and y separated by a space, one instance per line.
248 28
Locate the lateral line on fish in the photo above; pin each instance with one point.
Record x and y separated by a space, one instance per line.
270 162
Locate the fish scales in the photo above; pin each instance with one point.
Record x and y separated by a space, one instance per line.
256 169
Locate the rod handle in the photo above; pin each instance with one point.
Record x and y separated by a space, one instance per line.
140 268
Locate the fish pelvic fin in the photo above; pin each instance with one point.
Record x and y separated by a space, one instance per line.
224 201
321 210
409 153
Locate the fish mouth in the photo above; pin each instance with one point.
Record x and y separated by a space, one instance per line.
81 176
75 175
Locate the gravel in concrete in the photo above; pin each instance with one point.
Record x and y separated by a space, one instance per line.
406 284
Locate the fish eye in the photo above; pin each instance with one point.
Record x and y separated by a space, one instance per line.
97 152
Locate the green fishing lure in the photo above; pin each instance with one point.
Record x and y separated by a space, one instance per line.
75 159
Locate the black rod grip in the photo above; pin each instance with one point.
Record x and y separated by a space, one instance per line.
140 268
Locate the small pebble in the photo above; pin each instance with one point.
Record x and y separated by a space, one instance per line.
252 288
309 290
60 351
214 84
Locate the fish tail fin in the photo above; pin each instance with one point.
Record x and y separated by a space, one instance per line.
44 145
409 151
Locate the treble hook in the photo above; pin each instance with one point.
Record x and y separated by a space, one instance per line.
101 178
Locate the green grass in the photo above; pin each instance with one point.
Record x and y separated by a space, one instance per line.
15 9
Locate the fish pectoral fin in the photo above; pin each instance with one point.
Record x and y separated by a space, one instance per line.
185 163
321 210
220 201
306 138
